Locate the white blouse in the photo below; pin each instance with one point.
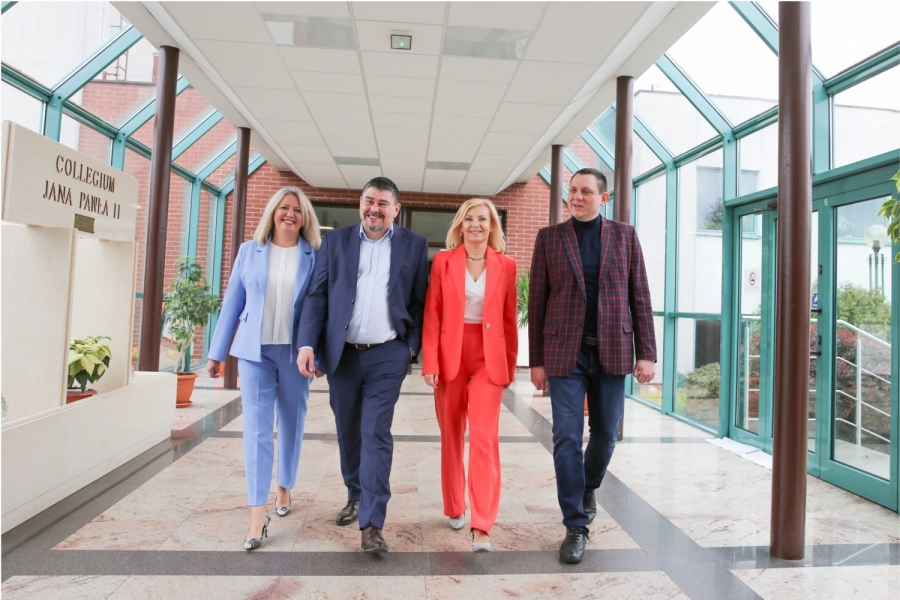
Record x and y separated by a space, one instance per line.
474 297
278 313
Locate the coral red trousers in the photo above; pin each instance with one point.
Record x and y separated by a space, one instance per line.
472 396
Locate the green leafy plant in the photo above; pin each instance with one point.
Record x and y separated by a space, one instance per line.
522 283
705 379
88 360
189 303
859 306
891 210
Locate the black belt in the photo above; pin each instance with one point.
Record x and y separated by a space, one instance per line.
588 340
363 346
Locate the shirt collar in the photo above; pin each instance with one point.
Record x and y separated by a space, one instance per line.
365 238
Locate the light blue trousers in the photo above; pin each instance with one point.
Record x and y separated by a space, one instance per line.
273 385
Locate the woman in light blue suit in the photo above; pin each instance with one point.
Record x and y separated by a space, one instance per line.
268 283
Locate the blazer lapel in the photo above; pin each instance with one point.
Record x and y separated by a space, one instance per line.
351 251
303 267
570 243
494 268
609 240
399 241
261 265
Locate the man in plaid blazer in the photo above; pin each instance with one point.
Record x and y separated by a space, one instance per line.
589 316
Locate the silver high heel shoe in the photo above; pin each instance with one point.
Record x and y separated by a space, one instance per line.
283 511
254 543
458 522
480 546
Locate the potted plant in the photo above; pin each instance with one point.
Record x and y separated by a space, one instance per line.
88 361
189 303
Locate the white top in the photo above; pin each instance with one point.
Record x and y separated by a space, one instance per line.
278 313
371 321
474 298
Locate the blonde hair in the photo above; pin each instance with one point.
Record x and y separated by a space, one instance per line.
496 239
309 229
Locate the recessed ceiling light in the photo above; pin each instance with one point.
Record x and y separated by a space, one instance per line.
317 32
401 42
443 165
357 160
484 42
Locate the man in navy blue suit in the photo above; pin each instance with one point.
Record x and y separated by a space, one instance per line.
362 322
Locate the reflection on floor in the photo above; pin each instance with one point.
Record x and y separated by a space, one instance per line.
679 518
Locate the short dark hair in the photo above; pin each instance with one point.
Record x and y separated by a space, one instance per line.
601 178
385 185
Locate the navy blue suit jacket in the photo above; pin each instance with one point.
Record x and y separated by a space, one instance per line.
328 306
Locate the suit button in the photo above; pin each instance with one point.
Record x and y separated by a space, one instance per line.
487 325
345 327
352 300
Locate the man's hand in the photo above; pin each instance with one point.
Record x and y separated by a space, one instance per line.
644 371
212 367
306 362
319 372
431 380
539 378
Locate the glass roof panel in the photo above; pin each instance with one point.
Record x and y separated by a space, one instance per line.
16 105
644 159
668 114
841 38
207 147
80 28
190 109
730 63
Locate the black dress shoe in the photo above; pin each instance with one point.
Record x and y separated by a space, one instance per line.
349 514
372 540
589 503
572 548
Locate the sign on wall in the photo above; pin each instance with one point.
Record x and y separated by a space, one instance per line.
50 185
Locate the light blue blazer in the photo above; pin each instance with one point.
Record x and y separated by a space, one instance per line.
245 299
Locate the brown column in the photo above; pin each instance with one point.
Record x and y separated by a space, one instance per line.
556 184
158 209
791 385
624 133
239 210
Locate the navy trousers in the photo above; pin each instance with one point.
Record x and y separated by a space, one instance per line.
577 470
363 391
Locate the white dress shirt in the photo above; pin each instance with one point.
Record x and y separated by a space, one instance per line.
474 298
371 321
278 313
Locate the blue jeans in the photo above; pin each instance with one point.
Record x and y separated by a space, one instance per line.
577 471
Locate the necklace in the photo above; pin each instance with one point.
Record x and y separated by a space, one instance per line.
476 257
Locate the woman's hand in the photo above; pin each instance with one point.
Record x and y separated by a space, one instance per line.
212 367
431 380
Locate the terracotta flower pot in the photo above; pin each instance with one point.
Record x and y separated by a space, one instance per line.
185 389
77 394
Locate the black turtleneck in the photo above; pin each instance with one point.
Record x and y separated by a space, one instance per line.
588 234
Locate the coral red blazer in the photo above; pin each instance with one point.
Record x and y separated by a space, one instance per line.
445 305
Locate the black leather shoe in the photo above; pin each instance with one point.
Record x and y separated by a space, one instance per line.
572 548
372 540
589 503
349 514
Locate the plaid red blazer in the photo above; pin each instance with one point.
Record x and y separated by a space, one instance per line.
557 297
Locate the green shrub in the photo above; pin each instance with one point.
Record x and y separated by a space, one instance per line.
705 379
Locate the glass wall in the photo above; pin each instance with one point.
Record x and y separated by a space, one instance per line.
867 119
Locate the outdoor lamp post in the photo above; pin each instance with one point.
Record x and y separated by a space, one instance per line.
876 236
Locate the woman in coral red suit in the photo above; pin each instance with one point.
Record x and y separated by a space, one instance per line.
469 345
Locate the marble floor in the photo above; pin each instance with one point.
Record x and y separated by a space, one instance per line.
678 518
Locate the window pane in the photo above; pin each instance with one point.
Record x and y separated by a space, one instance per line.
207 147
759 155
650 222
21 108
842 38
652 391
139 167
668 114
176 246
750 331
867 119
85 139
697 370
334 216
190 109
434 225
729 62
76 29
699 251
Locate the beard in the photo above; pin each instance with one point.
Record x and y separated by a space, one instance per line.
374 228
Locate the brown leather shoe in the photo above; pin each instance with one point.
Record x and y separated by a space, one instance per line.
349 514
372 541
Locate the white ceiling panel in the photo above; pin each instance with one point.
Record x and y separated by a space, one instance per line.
308 154
466 90
293 132
340 141
306 9
238 21
311 81
465 108
358 176
547 83
398 63
402 12
409 87
461 123
345 129
353 151
463 68
328 182
403 165
326 60
486 177
394 119
507 143
247 65
408 106
415 149
436 176
375 36
401 133
451 154
347 117
332 101
457 136
494 162
280 105
524 118
499 15
321 170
